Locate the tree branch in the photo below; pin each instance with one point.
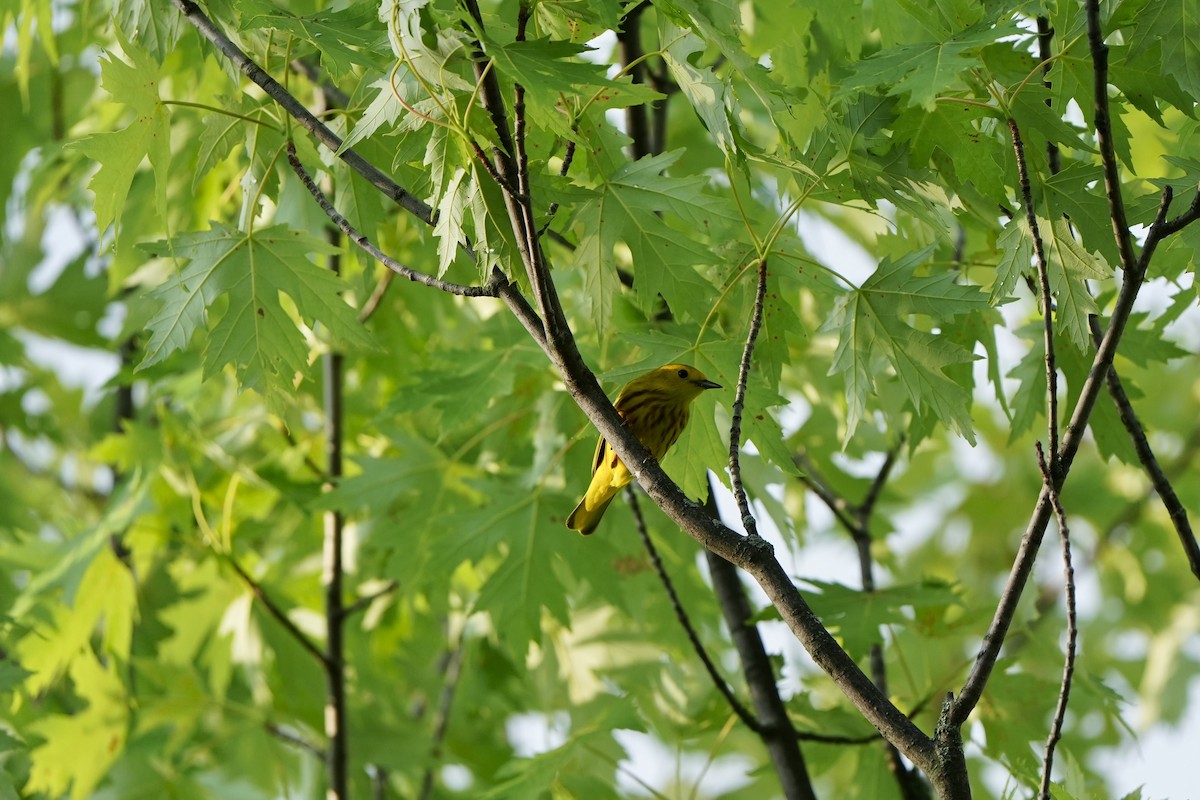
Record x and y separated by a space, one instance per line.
554 337
337 757
1104 138
1039 251
778 734
685 621
739 403
1064 692
451 668
398 194
512 163
275 611
629 39
1135 271
1158 478
488 290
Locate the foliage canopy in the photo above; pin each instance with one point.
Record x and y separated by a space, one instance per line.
300 524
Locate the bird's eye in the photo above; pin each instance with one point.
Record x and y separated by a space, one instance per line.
683 373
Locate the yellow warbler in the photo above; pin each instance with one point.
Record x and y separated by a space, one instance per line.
655 408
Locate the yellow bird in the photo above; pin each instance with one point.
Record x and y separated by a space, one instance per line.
655 407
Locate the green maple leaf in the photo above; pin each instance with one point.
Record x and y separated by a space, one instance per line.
1078 192
155 26
1016 257
348 39
719 23
1175 28
857 616
1069 265
120 153
256 333
1143 82
79 748
873 325
529 537
551 68
703 89
631 207
924 71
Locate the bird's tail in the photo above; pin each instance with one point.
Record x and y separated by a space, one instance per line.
587 514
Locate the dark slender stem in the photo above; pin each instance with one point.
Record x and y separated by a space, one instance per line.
1104 138
1039 251
629 39
337 760
277 612
1158 478
1177 224
989 651
512 164
1064 693
911 785
1044 39
451 669
490 168
493 99
685 621
777 731
366 600
812 478
1132 511
359 239
295 740
302 115
568 157
739 403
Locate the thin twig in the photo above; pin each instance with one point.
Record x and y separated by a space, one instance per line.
685 621
451 669
1044 38
739 403
1180 222
490 168
911 785
564 168
1131 512
811 477
377 294
1104 138
1043 272
397 193
629 39
366 600
512 164
959 708
487 290
1158 478
333 572
1133 426
779 735
294 739
275 611
1064 692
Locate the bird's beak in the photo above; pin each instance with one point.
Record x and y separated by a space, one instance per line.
708 384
